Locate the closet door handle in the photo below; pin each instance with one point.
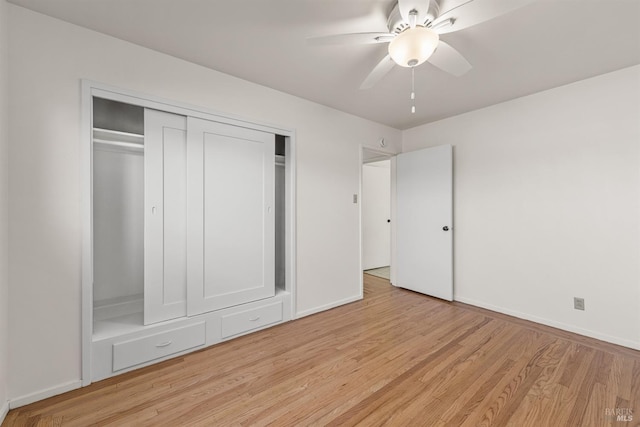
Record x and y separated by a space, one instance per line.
153 210
164 344
254 319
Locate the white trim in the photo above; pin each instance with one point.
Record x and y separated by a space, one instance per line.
290 220
171 106
382 155
360 248
86 175
44 394
548 322
4 410
328 306
393 216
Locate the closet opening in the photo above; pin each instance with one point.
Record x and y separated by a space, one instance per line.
118 168
280 210
188 229
118 213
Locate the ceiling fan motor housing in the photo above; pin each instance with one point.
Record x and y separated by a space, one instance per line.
396 25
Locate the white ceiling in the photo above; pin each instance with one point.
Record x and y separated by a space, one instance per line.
542 45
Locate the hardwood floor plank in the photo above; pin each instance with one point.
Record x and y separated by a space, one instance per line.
394 358
586 389
511 397
634 395
458 380
381 396
460 409
536 409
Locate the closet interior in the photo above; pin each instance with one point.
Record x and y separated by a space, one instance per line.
118 216
189 232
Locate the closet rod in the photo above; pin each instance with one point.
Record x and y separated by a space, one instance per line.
122 144
117 132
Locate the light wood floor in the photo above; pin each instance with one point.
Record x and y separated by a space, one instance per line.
394 358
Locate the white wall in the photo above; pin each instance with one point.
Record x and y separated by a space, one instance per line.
4 203
49 57
547 205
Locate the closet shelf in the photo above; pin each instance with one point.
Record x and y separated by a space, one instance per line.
119 306
126 322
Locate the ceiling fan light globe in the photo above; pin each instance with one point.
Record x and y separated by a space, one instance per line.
413 46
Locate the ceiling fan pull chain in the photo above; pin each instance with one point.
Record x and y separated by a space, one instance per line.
413 90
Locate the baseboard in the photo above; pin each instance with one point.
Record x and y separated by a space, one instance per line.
327 306
44 394
4 410
554 324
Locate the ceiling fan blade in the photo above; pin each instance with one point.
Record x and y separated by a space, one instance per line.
420 6
466 13
378 72
449 60
354 38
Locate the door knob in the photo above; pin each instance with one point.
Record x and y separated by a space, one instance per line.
388 220
445 228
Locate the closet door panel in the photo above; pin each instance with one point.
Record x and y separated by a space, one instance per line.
237 219
233 212
165 271
175 217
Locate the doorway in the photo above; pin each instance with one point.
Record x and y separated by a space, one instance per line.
421 219
376 214
376 218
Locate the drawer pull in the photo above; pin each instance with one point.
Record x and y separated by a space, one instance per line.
164 344
242 322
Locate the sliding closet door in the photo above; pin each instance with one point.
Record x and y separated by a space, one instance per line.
231 215
165 219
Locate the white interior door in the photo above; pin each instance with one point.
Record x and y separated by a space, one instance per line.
231 215
165 218
376 212
424 239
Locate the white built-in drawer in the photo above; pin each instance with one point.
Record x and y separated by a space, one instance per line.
141 350
245 321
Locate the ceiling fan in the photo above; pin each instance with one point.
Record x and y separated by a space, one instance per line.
414 33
